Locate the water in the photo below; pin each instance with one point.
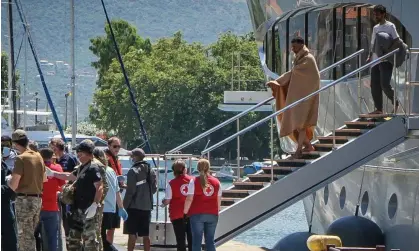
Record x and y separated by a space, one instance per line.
267 233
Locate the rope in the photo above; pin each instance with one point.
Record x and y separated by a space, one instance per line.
131 94
38 66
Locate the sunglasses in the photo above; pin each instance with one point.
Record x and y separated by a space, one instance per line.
116 146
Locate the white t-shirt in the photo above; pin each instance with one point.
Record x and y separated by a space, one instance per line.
387 27
168 194
191 188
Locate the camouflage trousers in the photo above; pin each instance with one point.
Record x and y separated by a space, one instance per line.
27 218
82 233
98 218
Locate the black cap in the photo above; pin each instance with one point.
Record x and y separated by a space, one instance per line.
137 152
85 146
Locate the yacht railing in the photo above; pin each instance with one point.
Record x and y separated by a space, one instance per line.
333 84
410 82
245 112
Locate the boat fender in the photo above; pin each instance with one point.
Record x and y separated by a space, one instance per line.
320 242
356 231
293 242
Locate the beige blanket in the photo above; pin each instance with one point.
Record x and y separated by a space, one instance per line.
302 80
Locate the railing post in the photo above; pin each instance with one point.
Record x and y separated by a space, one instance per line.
395 85
410 80
334 117
359 84
158 188
406 84
272 150
238 151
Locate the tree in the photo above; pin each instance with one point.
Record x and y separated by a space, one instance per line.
5 76
178 87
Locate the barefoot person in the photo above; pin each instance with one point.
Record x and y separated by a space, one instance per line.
303 79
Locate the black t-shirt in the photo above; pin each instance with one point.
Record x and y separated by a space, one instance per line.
85 189
67 162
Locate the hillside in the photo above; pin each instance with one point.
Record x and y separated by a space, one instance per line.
200 21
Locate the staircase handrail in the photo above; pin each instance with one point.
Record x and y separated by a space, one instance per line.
256 124
234 118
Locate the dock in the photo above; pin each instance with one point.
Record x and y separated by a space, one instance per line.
120 242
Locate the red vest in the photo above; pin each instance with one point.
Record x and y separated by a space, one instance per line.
205 201
179 188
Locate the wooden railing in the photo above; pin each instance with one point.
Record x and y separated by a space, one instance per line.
377 248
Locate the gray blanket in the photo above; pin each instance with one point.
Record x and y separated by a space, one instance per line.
384 44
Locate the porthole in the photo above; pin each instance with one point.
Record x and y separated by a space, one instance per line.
342 198
364 203
326 194
392 206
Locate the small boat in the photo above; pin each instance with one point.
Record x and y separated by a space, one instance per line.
225 173
253 168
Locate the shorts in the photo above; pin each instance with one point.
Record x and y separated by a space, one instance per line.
138 222
111 220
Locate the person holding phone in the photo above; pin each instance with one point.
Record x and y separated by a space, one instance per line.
176 192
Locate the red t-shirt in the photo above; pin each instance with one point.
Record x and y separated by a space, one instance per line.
51 187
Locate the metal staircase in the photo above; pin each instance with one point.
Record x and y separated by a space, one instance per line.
259 196
255 199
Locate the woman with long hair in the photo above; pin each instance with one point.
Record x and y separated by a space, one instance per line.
202 206
112 208
176 192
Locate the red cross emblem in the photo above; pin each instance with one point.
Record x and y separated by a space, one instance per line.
184 189
209 190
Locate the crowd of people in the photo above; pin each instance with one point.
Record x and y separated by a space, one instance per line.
47 189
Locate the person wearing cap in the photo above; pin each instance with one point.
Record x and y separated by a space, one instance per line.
88 192
27 181
138 200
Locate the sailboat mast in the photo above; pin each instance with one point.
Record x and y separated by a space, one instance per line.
25 84
11 73
73 80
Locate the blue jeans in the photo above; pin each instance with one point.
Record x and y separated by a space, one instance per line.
50 222
203 224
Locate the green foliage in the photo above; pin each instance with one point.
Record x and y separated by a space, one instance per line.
5 76
178 86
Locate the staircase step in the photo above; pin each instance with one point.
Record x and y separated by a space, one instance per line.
360 124
325 147
227 201
329 139
292 162
375 116
247 185
233 193
311 155
348 132
284 170
263 177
